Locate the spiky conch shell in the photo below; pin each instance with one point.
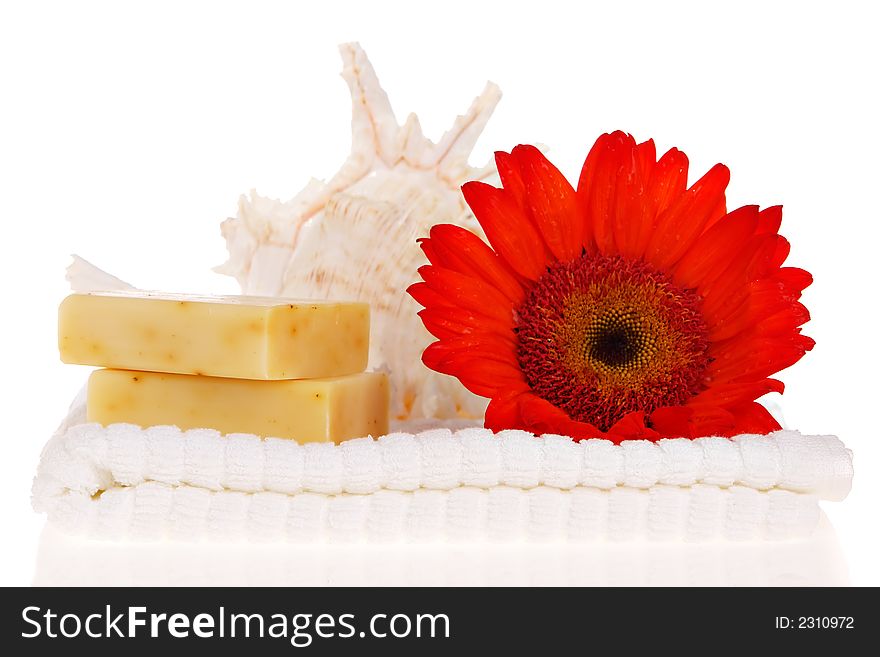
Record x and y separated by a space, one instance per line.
354 237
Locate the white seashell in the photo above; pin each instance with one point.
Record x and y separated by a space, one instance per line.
83 276
354 237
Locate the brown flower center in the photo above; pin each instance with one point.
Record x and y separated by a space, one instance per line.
600 337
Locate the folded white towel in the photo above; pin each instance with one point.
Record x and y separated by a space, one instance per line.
89 458
466 484
154 510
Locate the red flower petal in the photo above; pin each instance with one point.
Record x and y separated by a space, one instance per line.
508 229
744 361
770 220
769 251
750 304
781 254
637 212
784 321
427 297
712 421
752 418
668 182
627 220
585 184
471 293
683 222
483 376
482 367
511 177
551 201
642 207
456 248
482 345
793 281
623 191
503 412
646 159
454 322
731 288
756 324
631 427
692 422
541 417
716 248
735 393
673 421
442 326
610 159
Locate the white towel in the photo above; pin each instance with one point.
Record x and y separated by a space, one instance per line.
702 512
89 458
469 484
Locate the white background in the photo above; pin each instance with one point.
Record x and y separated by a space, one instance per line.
127 133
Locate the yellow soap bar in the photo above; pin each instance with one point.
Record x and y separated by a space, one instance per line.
306 410
240 337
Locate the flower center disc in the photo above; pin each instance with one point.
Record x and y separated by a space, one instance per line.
602 336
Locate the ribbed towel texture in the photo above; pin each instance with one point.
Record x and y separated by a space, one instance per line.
701 512
123 481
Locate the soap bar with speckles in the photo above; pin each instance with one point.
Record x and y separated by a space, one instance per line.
305 410
228 336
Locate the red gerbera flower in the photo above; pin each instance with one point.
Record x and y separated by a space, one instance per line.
632 307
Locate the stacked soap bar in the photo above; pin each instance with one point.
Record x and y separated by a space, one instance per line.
256 365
